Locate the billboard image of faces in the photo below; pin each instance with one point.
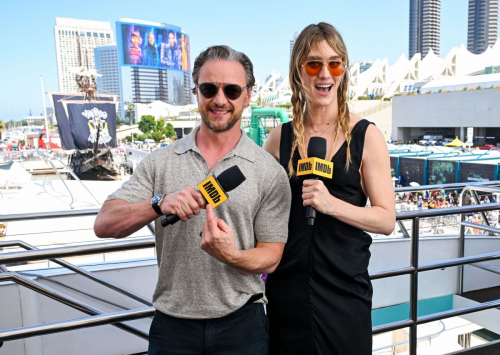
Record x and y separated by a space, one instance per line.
154 47
441 172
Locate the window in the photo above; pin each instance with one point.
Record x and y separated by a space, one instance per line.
89 34
108 35
101 35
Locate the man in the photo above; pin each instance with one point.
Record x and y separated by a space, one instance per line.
150 53
209 296
170 54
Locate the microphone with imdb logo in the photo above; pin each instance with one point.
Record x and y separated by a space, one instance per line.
314 167
214 189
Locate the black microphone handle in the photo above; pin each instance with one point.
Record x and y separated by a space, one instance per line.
311 211
170 219
173 218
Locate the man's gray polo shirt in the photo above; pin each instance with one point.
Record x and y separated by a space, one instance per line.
191 283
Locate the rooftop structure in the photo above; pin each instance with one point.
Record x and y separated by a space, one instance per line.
408 75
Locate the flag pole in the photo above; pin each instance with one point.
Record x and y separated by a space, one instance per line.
45 113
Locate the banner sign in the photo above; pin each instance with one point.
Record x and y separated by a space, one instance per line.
91 123
60 102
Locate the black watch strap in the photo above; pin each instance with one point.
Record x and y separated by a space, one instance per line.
157 209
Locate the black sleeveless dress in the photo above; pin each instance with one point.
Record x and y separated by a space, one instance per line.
320 294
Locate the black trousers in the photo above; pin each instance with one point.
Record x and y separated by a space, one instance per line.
242 332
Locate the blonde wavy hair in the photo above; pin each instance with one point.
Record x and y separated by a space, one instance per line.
308 38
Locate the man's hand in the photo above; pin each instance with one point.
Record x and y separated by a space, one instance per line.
217 238
185 203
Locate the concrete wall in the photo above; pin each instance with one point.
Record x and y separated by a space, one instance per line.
476 108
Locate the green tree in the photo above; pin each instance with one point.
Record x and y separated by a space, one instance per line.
2 127
158 136
129 111
160 126
170 131
147 123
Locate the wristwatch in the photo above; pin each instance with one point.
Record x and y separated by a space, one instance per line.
155 203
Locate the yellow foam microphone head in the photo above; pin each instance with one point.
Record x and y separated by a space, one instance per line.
315 164
215 189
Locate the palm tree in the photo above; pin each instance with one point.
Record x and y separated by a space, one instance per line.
2 126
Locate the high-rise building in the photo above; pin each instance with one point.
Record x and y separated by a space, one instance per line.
75 43
154 63
292 42
107 64
425 24
482 31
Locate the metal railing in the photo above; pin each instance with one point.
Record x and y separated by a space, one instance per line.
455 186
428 336
118 319
48 160
414 268
97 317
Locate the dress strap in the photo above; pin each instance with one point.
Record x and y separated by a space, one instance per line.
358 140
286 144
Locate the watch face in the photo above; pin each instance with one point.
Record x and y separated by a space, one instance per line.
155 200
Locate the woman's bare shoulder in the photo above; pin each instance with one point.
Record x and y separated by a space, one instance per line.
353 119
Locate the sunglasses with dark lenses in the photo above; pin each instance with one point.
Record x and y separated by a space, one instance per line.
335 67
232 91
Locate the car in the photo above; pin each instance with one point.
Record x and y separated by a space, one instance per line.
149 143
163 145
429 140
139 143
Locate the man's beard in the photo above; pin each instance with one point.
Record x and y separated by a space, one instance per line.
219 129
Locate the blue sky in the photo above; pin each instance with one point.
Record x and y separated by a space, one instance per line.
261 29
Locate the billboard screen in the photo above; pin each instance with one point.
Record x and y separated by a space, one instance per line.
470 172
441 172
153 47
411 170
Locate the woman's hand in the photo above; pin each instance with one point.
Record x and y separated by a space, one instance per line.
315 194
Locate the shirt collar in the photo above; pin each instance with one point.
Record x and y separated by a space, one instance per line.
243 149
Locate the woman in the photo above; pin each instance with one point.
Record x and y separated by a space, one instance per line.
320 295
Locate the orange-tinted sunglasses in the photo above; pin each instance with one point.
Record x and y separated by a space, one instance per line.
314 67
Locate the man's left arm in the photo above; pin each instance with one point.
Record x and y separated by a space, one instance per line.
270 228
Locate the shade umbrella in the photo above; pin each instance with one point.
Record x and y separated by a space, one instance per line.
456 143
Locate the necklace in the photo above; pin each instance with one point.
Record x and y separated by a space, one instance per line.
319 124
328 125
